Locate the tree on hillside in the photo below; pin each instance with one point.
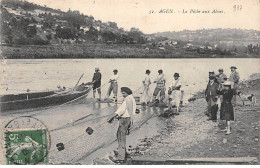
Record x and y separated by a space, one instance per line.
136 36
31 31
108 36
92 34
64 33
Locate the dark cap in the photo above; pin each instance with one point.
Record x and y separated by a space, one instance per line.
160 71
115 70
147 71
233 67
176 75
220 70
126 90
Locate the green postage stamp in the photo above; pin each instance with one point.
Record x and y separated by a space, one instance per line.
25 146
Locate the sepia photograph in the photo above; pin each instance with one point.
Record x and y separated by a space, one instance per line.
129 82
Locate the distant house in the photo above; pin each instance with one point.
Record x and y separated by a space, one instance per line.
100 38
62 22
161 48
189 45
174 43
209 48
37 19
84 28
39 26
31 25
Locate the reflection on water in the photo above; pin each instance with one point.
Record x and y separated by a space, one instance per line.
38 75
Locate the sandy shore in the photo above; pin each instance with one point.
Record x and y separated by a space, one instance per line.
190 135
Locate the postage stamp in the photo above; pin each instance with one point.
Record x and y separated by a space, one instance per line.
26 142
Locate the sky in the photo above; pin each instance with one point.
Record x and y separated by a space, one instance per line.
145 14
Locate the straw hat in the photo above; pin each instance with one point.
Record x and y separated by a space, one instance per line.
233 67
227 83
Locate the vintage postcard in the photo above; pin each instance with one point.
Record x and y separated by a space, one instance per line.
129 82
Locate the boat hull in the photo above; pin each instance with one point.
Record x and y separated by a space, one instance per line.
35 100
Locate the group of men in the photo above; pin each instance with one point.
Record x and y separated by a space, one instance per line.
213 99
128 108
174 90
173 97
113 81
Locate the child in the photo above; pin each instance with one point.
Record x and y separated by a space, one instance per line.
226 110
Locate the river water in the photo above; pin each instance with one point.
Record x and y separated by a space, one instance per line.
68 123
42 74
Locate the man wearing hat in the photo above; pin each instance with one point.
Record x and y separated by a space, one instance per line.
113 85
211 98
145 98
234 78
125 115
221 77
160 86
175 92
227 111
212 73
96 80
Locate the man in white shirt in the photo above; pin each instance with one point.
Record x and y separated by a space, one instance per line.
175 92
145 98
125 116
160 86
113 85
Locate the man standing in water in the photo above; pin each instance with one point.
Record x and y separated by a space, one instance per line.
160 86
125 116
113 85
145 98
234 77
96 80
175 90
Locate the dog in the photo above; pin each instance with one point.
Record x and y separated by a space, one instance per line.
245 98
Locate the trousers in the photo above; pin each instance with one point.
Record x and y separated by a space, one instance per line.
124 124
212 109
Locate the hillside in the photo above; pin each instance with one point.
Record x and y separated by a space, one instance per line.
25 24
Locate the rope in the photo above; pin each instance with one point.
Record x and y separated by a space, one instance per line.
40 111
102 85
138 89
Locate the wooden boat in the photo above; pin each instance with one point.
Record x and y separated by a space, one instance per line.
34 100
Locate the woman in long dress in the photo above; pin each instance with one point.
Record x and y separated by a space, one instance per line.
226 110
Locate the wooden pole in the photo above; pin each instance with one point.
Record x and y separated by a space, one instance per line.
78 82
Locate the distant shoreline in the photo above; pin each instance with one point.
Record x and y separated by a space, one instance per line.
104 51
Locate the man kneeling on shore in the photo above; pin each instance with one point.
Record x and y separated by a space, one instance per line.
125 116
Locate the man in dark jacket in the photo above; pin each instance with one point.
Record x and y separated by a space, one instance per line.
211 98
96 80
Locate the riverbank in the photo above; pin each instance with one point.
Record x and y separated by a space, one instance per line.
190 135
104 51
